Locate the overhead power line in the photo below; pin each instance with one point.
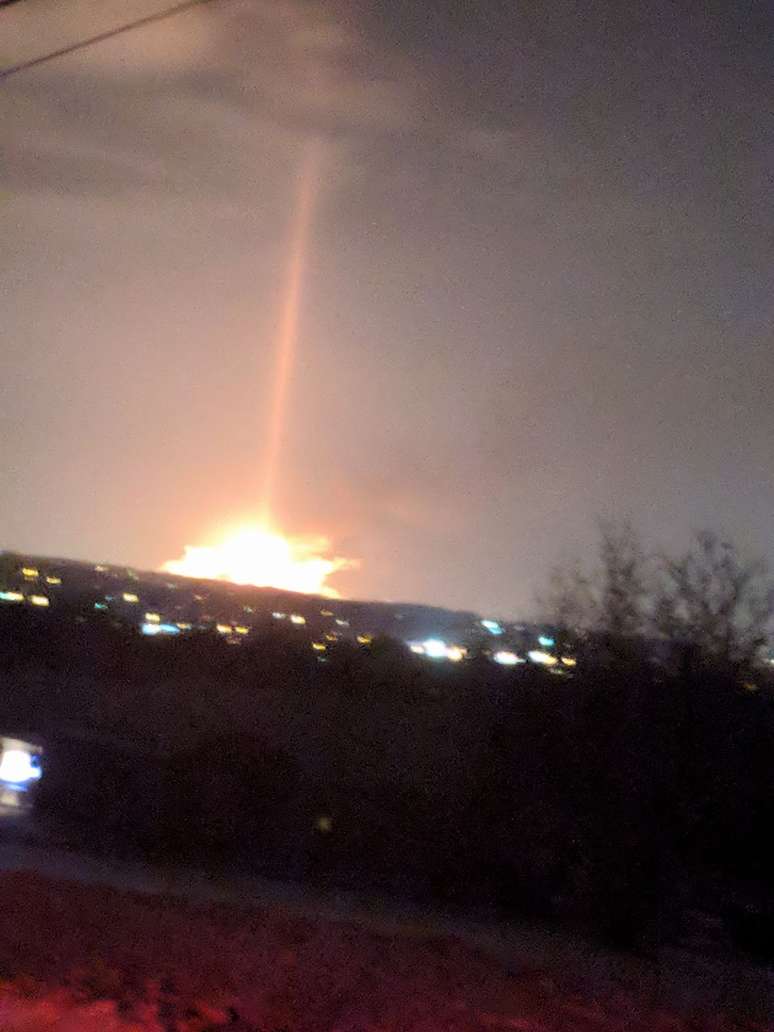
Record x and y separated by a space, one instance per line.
81 44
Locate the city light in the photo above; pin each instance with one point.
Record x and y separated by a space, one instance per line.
543 658
17 766
39 600
492 626
435 648
129 596
569 661
152 618
11 596
153 629
30 572
506 658
53 580
546 641
264 558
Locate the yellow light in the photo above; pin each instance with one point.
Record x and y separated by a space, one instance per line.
240 629
223 628
38 600
318 646
129 596
569 661
254 555
183 626
326 612
364 639
11 596
30 572
544 658
296 618
53 580
152 618
331 636
455 653
101 568
324 824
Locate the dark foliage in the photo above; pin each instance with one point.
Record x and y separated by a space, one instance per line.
607 797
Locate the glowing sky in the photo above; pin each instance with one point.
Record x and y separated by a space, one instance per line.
538 285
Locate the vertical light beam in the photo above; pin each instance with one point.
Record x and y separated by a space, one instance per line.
287 326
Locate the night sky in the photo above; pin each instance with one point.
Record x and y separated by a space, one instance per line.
539 287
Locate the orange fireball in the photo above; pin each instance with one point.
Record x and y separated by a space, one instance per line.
255 555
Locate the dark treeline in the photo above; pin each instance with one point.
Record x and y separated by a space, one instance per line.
617 797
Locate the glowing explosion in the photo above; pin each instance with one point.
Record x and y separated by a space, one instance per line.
264 558
258 555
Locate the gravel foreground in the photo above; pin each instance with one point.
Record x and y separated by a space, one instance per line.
79 958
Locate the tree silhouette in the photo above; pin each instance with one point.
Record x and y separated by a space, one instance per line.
713 605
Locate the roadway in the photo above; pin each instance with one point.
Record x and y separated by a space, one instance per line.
677 975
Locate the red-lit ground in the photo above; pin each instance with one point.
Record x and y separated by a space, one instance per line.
83 957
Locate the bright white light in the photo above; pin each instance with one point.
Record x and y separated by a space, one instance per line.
296 618
569 661
39 600
545 641
152 618
279 616
455 653
11 596
152 629
506 658
17 767
258 556
419 650
129 596
492 626
435 648
544 658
